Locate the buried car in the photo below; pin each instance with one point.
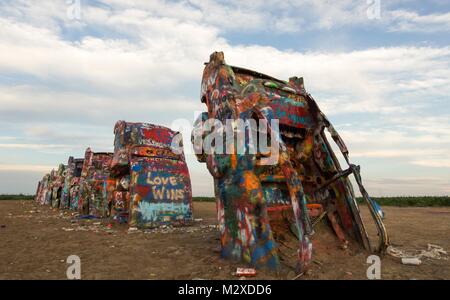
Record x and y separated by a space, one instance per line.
58 185
43 189
152 179
70 193
51 182
94 181
268 196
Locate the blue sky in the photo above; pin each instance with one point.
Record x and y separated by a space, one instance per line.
378 69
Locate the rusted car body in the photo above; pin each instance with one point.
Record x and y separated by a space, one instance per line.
58 185
263 200
94 181
150 175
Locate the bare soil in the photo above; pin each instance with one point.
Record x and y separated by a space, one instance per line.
36 241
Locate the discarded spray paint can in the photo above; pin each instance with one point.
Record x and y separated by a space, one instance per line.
247 272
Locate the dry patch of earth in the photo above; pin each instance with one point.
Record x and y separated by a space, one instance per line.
37 240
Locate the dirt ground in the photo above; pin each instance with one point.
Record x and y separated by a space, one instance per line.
36 241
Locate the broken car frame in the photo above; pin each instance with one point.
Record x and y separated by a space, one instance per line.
261 196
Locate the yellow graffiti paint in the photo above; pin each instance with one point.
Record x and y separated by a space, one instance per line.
160 180
163 193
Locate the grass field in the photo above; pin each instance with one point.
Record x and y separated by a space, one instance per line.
16 197
419 201
403 201
411 201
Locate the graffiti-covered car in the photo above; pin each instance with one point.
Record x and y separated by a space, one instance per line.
58 185
71 179
38 191
93 194
43 189
151 175
119 197
65 197
267 194
51 184
71 183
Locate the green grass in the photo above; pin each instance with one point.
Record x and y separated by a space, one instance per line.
204 199
16 197
419 201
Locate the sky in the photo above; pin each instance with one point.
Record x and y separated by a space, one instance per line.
379 69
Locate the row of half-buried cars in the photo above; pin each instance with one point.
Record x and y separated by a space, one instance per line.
267 212
143 182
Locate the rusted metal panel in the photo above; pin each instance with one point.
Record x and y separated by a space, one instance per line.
151 175
260 202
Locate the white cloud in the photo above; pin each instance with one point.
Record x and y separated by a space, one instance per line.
421 147
407 186
434 163
26 168
42 102
105 64
276 16
34 146
411 21
357 81
398 153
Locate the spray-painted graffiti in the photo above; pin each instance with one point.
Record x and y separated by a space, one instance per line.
152 181
259 203
119 194
94 184
58 185
43 189
65 197
75 166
